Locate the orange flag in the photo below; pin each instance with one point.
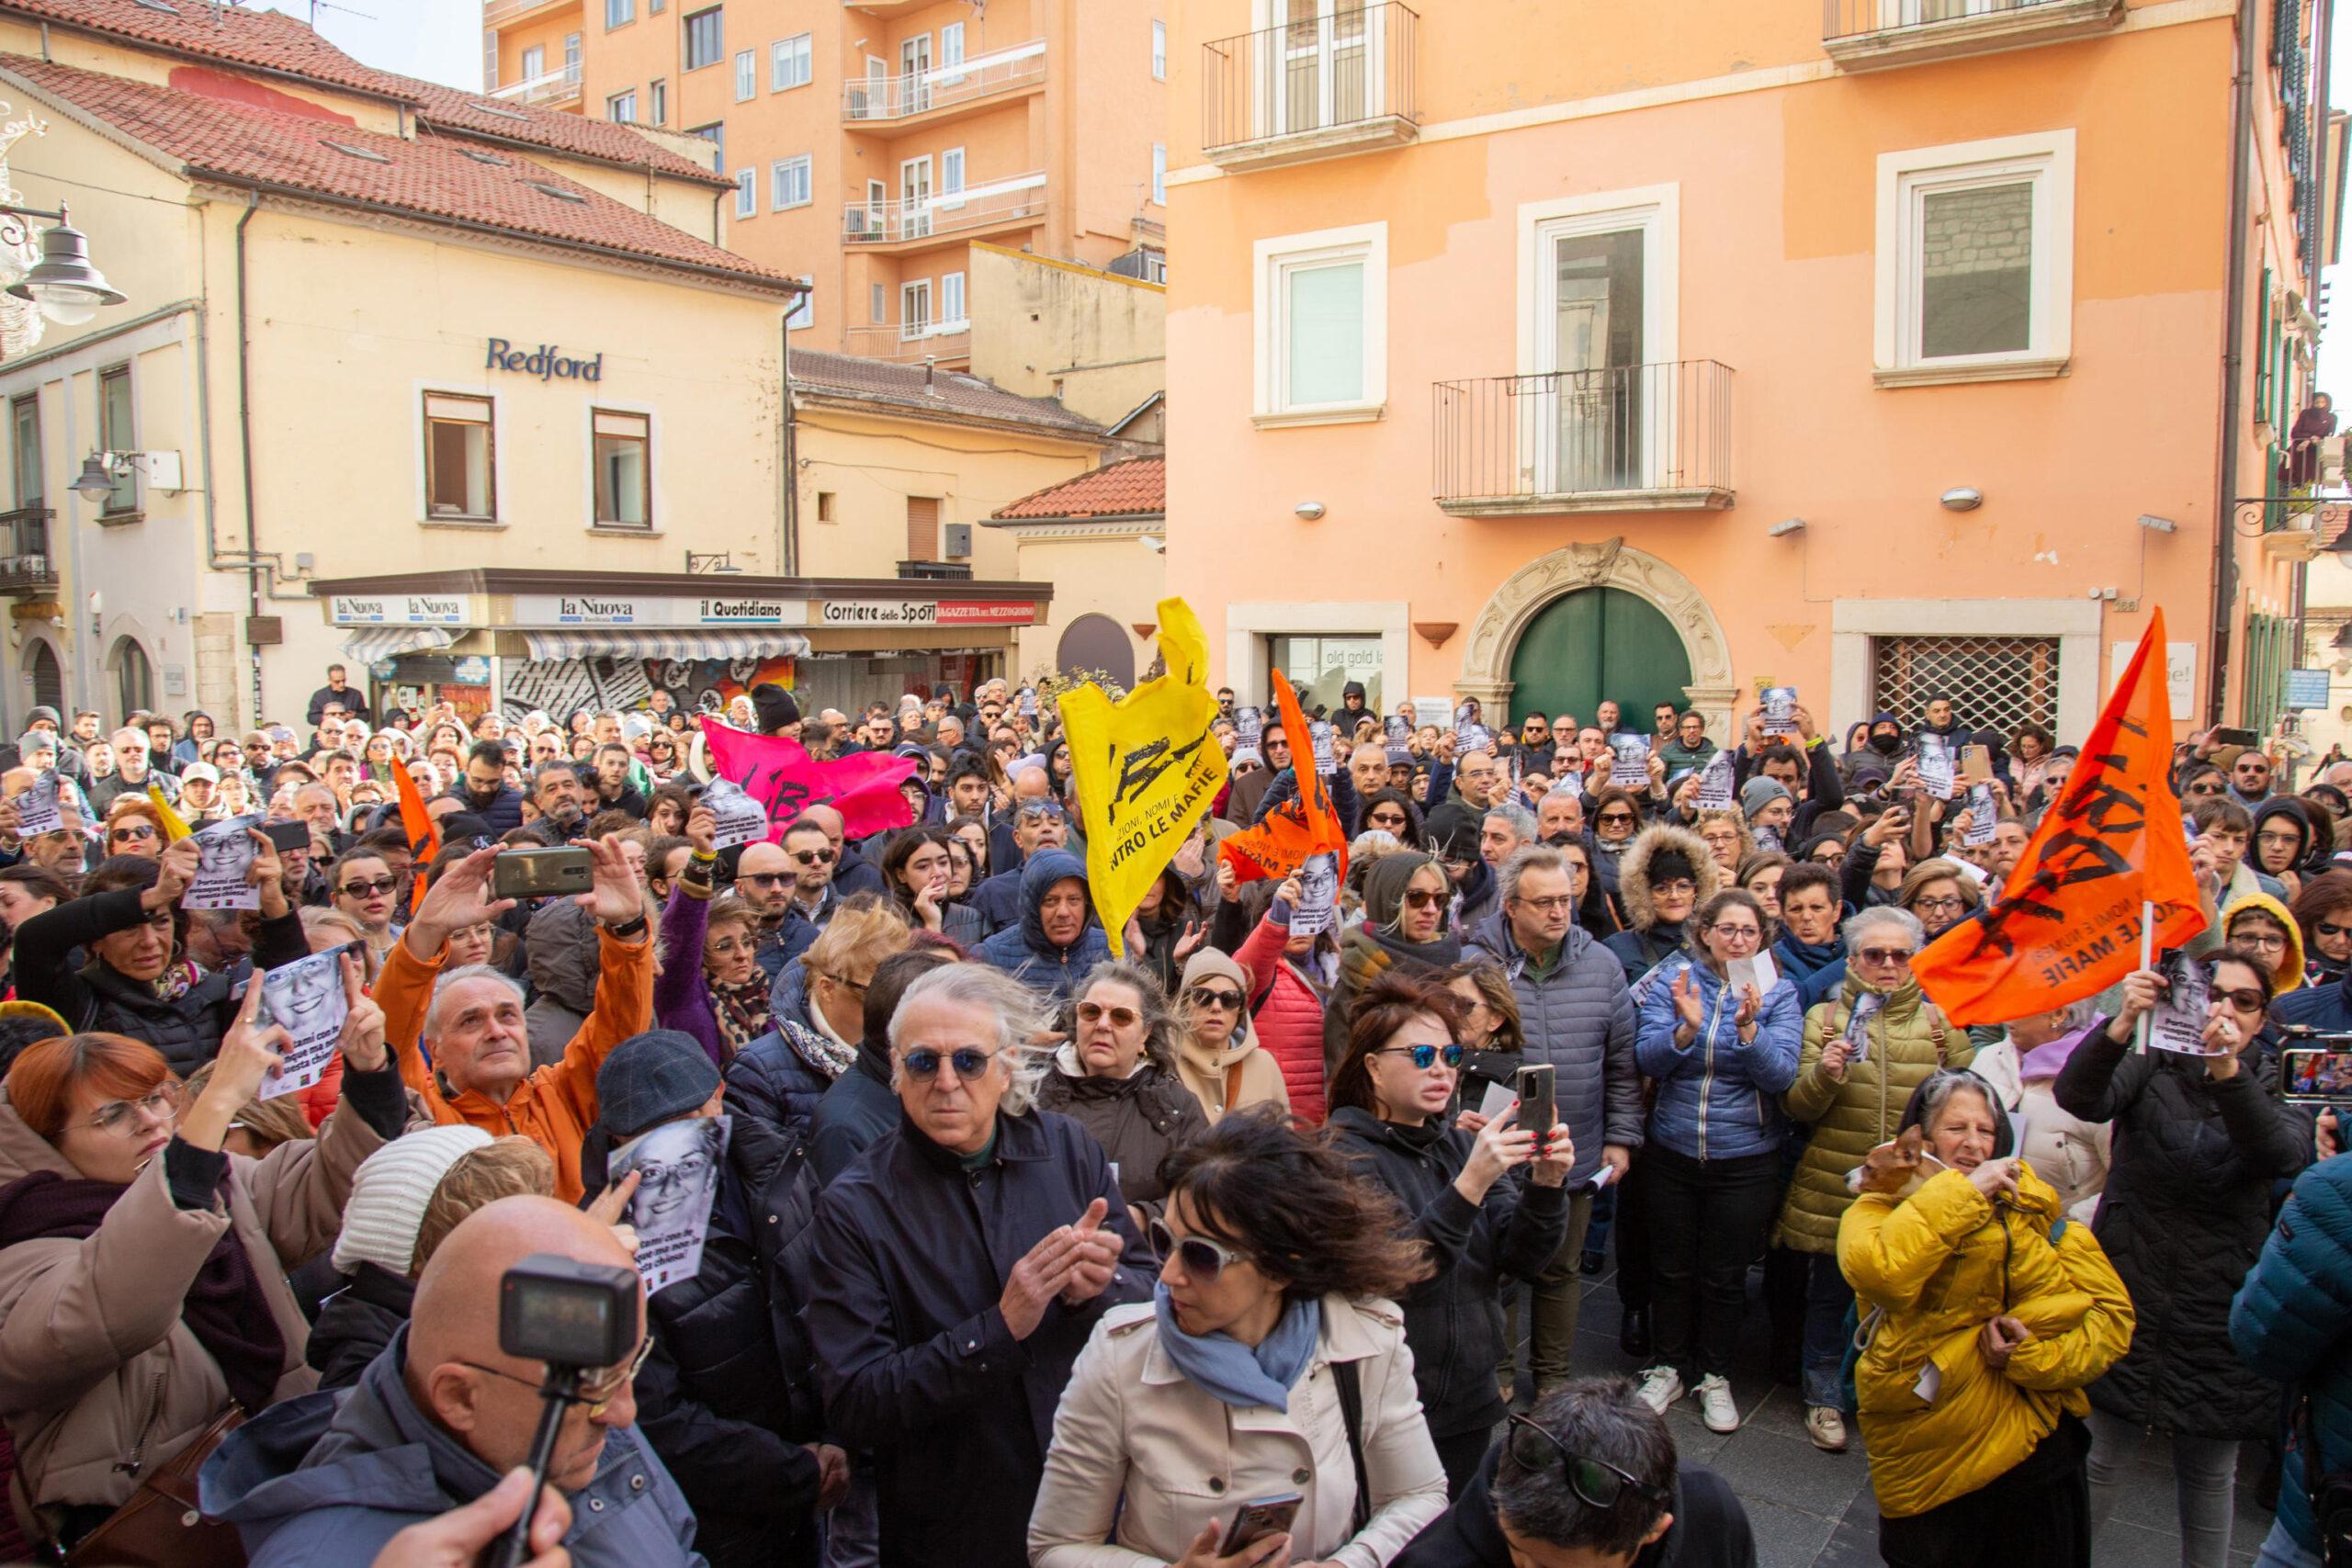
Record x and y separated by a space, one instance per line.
423 832
1306 824
2067 924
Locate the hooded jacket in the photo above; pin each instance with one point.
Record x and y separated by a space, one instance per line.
1370 948
331 1478
1025 952
2289 977
559 952
1239 1074
778 1076
1578 1016
1646 943
1719 1097
1710 1528
1138 1119
2289 808
2292 1322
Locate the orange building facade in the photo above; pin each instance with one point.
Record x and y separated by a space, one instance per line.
872 143
1550 351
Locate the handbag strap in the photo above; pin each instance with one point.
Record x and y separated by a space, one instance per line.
1351 1407
1232 1084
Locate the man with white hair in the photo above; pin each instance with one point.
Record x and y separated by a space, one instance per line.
131 774
469 1021
967 1259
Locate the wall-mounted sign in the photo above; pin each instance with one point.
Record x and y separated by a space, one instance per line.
2307 688
894 613
548 362
650 610
471 671
398 610
986 612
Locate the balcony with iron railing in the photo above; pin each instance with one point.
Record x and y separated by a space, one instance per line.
948 342
1625 439
941 94
548 90
1345 82
1017 201
496 14
1865 35
25 565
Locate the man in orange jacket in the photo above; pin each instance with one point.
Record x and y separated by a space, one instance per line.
470 1019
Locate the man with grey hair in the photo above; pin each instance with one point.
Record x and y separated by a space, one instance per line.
968 1256
1576 1015
1501 831
460 1038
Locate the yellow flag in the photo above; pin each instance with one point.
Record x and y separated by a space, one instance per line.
1146 769
176 827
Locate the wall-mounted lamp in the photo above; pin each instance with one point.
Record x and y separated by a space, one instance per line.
2158 524
95 481
1784 527
1961 498
1309 511
1155 545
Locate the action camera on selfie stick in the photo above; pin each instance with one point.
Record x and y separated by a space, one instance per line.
576 1318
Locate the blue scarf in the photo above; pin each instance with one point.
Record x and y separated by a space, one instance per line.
1241 1377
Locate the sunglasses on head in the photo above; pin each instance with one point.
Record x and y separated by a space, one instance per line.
1596 1483
1423 1056
922 1062
1204 1258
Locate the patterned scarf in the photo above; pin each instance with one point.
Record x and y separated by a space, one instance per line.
173 982
741 1011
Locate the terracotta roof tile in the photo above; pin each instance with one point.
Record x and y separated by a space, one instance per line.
271 40
1135 488
432 177
944 391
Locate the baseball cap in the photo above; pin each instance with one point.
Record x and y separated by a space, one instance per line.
195 770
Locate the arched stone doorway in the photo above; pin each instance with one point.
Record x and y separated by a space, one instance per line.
1494 641
44 675
1097 642
134 677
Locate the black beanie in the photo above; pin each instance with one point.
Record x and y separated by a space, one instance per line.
1669 863
775 707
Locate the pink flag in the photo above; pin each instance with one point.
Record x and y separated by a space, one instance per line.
780 775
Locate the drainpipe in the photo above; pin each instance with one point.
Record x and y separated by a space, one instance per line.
788 442
2225 561
2315 225
245 447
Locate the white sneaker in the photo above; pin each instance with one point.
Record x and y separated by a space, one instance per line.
1661 1386
1716 1406
1827 1428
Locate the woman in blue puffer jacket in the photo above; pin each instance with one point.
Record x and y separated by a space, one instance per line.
1723 1052
2292 1321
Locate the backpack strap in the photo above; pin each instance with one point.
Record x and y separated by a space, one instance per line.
1232 1083
1935 1028
1351 1407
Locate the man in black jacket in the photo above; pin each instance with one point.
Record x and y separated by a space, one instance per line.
484 791
1588 1477
339 693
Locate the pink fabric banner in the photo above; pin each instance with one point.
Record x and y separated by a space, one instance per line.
780 775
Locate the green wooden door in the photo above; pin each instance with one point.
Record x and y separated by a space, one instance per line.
1597 643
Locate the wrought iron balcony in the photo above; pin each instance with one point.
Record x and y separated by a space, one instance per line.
1864 35
1345 82
873 102
25 565
1628 438
1014 201
935 570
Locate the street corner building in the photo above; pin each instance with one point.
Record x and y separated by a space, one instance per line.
1882 348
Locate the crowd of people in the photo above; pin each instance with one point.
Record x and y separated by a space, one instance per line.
1219 1253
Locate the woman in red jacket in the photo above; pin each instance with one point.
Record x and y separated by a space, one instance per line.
1286 1002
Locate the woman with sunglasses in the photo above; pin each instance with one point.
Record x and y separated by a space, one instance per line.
1276 1270
134 828
1865 1049
2198 1142
1721 1053
1389 811
1219 1054
1114 1075
2323 913
1983 1315
1616 818
660 756
1407 907
1390 1101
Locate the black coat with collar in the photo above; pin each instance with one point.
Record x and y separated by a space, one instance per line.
1710 1528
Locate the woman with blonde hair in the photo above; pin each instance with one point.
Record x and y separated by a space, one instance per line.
820 1014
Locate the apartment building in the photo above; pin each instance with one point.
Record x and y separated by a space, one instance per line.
1883 348
872 143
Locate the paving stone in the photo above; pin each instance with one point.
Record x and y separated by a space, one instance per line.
1786 1538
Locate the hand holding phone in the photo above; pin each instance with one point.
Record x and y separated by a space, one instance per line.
1261 1520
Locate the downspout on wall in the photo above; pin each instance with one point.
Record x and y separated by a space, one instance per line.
245 452
2225 559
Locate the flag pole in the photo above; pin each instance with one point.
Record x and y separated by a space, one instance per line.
2147 960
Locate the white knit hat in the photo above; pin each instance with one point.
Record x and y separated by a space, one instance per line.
388 1192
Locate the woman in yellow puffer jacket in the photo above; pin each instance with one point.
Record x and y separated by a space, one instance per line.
1985 1315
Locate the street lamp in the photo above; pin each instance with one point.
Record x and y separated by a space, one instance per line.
68 289
95 481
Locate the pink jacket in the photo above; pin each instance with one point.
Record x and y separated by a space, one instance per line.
1289 1023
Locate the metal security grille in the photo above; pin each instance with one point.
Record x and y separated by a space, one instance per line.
1995 682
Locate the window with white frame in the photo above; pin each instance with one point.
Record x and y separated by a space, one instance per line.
1321 309
619 13
660 102
624 468
458 466
621 109
118 432
878 306
951 300
747 192
1159 51
1975 260
747 73
1159 174
804 309
489 59
951 177
788 183
791 63
535 62
914 309
951 50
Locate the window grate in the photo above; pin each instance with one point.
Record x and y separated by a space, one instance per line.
1995 682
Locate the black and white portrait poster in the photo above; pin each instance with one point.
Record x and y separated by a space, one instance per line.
37 809
1779 711
1715 784
2178 1021
736 817
305 998
1938 766
677 1167
223 867
1983 816
1318 896
1326 753
1249 725
1629 761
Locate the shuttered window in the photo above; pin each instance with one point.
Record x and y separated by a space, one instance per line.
922 527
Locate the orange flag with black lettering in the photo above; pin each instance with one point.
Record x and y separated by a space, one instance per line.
1306 824
2068 923
423 833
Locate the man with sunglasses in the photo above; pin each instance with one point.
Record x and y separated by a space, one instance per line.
812 855
442 1415
1588 1479
768 878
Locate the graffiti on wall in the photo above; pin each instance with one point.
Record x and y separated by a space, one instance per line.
561 686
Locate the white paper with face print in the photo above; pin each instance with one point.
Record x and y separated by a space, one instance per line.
1938 766
1249 725
306 999
37 809
223 867
1715 783
1572 783
1326 753
737 819
1779 711
1984 816
2178 1021
1857 1027
678 1167
1318 896
1629 761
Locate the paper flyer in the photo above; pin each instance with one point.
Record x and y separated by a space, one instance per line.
678 1167
224 863
1326 753
2177 1022
306 999
737 818
37 809
1779 711
1715 783
1250 726
1629 765
1318 896
1938 766
1983 816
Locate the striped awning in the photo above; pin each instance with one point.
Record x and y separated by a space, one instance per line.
364 645
749 642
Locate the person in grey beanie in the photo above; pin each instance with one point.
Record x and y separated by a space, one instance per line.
1769 809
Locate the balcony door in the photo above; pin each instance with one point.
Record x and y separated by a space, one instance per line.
1321 66
914 198
1915 12
1596 402
914 74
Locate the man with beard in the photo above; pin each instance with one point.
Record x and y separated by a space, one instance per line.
562 804
766 879
482 790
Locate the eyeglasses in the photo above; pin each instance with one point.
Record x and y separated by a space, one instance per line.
1674 887
1422 898
115 1117
1423 1056
1951 903
1596 1483
1886 954
2329 928
1615 819
922 1061
1095 1012
1736 933
1204 1259
369 890
133 830
2244 1002
1555 906
847 985
765 878
1040 809
2264 941
595 1392
1208 997
814 857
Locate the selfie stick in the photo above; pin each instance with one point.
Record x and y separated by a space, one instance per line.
558 1393
2147 960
